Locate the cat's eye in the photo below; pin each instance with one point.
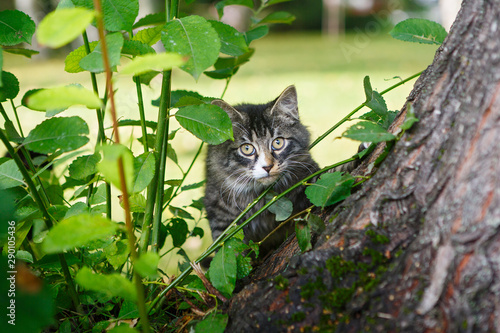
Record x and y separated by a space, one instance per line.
247 149
278 143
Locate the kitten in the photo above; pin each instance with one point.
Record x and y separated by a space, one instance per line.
270 143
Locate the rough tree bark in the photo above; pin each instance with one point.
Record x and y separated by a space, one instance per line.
431 260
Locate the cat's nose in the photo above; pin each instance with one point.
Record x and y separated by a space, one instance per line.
268 168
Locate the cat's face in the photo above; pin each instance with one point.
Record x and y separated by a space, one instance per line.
269 142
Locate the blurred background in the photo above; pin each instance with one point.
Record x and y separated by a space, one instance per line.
326 52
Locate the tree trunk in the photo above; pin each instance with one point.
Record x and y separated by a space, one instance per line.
417 247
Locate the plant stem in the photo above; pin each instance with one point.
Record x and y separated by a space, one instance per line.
17 118
126 205
231 231
142 116
343 120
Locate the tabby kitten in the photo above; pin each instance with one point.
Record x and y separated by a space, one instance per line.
269 142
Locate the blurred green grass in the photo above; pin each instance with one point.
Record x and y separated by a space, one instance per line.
328 73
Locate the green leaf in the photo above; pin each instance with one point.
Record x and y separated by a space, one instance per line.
221 4
123 328
273 2
368 89
212 323
10 86
193 37
58 134
144 169
136 48
117 253
99 195
15 27
22 51
282 208
62 98
150 19
137 203
72 61
93 62
159 62
207 122
232 41
410 118
179 231
1 66
147 265
377 103
223 270
84 166
315 223
149 36
76 231
10 176
419 31
109 164
227 67
256 33
384 120
303 234
278 17
118 14
110 285
366 131
330 189
62 26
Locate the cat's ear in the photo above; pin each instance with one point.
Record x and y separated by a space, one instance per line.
286 104
233 114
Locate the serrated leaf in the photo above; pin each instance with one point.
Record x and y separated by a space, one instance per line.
178 229
303 234
223 270
144 169
366 131
15 27
282 209
109 168
207 122
111 285
93 62
330 189
118 14
137 203
384 120
62 26
58 134
10 86
77 231
72 61
62 98
419 31
256 33
99 195
232 41
377 103
10 176
278 17
149 36
84 166
159 62
221 4
192 37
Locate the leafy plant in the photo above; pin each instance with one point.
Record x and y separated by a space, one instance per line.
98 272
